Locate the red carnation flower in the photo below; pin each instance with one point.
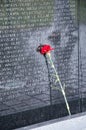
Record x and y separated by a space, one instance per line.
44 49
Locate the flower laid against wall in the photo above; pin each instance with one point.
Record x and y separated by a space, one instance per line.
45 51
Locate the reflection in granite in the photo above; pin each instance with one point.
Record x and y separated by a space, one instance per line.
24 75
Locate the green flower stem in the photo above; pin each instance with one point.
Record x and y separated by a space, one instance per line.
59 81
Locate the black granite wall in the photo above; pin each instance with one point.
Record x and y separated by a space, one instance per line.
25 81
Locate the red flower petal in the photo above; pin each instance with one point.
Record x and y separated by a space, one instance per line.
45 49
